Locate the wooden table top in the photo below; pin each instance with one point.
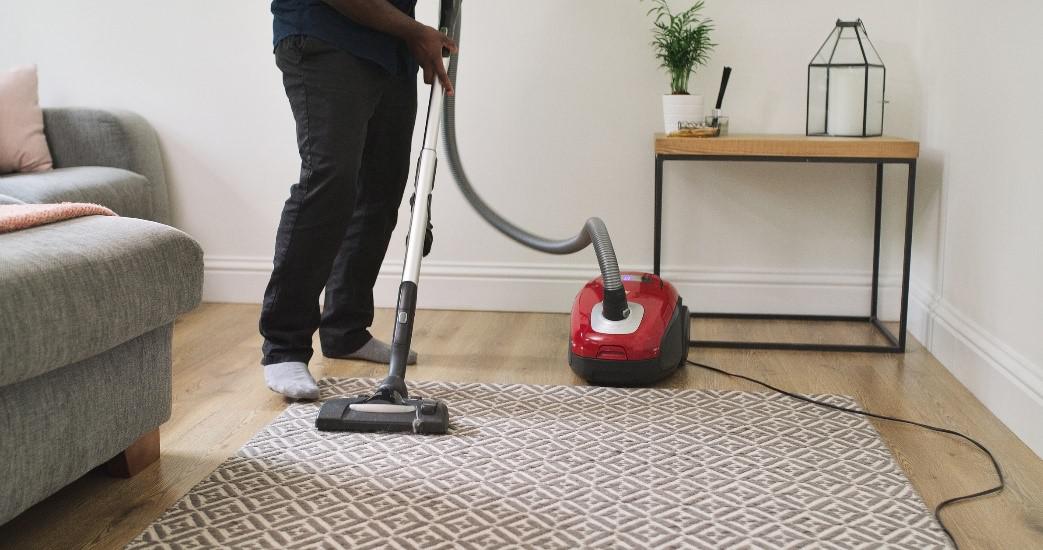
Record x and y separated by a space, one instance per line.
788 145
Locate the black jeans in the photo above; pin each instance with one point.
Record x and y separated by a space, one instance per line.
354 132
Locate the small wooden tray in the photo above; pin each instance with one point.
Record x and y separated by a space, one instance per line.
697 132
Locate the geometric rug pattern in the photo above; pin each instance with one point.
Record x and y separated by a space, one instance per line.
528 466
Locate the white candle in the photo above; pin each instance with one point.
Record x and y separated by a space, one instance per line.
846 101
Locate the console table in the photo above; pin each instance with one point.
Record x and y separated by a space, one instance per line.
799 148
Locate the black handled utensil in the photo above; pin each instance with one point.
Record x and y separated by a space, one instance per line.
720 95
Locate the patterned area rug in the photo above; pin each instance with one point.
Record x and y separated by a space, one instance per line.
562 467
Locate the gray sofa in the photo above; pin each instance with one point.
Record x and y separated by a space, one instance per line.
87 308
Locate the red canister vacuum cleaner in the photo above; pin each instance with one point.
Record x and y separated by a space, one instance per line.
646 346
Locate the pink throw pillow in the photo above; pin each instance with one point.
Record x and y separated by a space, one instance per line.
23 147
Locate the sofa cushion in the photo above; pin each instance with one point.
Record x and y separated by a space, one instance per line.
126 193
4 199
74 289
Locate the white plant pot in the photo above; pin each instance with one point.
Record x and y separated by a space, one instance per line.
681 108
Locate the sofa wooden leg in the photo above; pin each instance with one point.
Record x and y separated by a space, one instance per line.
137 457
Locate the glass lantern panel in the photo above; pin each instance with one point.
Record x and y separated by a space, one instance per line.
816 100
872 57
846 101
822 57
847 49
875 106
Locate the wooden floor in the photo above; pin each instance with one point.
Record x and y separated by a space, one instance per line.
220 401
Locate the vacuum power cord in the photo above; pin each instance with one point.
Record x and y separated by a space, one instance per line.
941 506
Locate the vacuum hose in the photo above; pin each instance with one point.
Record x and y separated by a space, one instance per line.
594 230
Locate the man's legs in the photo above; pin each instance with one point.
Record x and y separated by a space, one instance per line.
332 95
348 310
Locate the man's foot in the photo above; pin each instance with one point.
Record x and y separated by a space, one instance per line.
291 379
376 351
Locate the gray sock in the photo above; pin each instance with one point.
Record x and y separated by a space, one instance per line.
291 379
378 352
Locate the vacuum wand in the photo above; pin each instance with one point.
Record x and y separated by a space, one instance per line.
390 408
405 311
720 96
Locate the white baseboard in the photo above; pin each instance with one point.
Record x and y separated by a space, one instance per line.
1007 383
551 288
921 303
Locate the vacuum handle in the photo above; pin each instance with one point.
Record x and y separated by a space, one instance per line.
445 51
446 11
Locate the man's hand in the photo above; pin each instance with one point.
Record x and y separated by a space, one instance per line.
425 43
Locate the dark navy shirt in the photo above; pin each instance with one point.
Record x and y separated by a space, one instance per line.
318 19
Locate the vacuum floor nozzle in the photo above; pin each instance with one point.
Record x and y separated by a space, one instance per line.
366 413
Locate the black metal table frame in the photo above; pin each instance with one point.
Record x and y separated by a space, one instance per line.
896 343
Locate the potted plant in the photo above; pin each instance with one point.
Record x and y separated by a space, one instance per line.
682 43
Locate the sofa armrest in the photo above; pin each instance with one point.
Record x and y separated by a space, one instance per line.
117 139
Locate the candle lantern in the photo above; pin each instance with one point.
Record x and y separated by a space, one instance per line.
846 85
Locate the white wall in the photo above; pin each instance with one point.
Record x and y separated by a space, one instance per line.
557 105
982 305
